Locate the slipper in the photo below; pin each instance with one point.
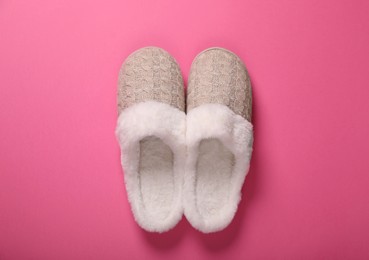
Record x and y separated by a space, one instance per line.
219 138
151 133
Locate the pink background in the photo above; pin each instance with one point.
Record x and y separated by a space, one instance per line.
61 185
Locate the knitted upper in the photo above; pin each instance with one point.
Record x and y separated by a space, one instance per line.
219 76
150 74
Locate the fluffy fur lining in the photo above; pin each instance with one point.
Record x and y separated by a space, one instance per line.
219 147
152 140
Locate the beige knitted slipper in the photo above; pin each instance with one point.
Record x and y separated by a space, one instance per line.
151 133
219 138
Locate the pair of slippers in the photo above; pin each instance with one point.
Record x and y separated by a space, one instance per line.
184 157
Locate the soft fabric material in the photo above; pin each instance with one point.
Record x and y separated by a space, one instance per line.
218 75
152 140
219 147
150 73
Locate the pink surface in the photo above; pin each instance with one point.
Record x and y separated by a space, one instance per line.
61 185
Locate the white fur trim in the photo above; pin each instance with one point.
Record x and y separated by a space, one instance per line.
167 123
211 197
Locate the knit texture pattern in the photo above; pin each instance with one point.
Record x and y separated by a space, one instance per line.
150 74
219 76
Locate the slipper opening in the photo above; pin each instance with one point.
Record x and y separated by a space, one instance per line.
156 178
214 169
